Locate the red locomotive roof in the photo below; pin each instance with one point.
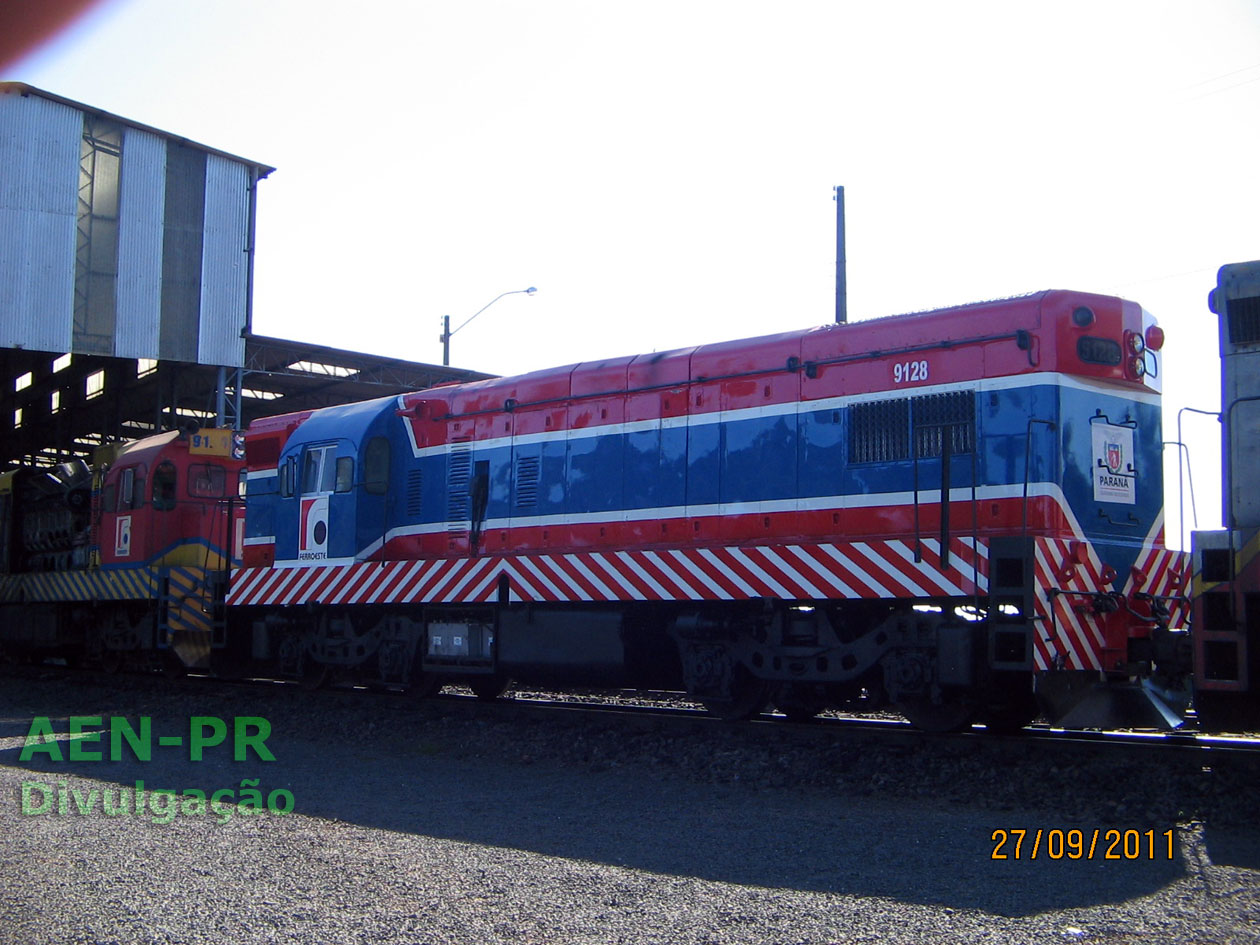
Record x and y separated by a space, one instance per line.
997 338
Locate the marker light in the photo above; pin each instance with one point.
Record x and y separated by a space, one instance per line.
1082 317
1154 337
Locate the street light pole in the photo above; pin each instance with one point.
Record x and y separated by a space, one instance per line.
446 322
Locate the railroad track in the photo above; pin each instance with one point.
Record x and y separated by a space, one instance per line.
648 710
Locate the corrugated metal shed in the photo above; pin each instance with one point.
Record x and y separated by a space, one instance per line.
39 154
143 202
119 239
224 262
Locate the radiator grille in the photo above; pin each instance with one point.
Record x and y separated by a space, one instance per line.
1244 321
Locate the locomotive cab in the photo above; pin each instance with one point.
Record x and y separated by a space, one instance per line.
331 484
163 502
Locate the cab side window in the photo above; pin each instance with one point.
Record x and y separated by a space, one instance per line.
164 481
206 481
131 488
288 477
376 466
319 471
345 474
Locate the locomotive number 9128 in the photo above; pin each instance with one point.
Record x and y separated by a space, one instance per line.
910 372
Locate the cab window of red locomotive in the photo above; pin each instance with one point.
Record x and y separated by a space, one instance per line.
131 488
109 497
206 481
376 466
164 480
127 481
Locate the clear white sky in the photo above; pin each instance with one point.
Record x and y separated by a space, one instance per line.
662 171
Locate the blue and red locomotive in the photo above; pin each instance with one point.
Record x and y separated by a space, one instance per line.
933 510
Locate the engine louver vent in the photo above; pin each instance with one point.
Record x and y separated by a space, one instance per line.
415 491
1244 321
458 474
527 482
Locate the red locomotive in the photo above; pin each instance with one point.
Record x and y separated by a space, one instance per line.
125 562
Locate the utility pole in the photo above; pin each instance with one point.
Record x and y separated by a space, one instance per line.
842 303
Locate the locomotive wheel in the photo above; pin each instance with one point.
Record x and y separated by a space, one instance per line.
748 697
1227 711
313 675
424 685
800 702
172 666
946 717
488 688
1009 717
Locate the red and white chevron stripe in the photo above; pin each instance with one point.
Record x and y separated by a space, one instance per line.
867 569
1070 635
1164 572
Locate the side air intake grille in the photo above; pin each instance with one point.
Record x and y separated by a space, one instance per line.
415 493
1244 321
527 482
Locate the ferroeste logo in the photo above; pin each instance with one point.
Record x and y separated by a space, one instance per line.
85 741
313 535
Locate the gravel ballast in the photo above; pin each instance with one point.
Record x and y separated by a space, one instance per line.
441 824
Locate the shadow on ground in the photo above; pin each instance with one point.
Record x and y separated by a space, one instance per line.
413 779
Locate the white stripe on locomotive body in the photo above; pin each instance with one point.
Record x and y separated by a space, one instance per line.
787 408
838 503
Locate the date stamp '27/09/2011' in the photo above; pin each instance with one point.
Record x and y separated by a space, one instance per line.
1098 843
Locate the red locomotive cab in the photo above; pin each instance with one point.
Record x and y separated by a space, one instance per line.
172 499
